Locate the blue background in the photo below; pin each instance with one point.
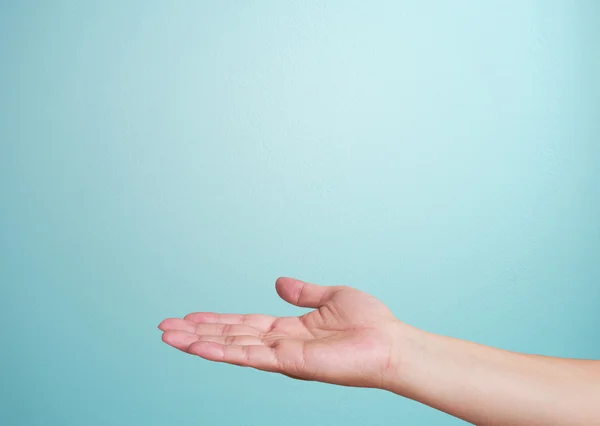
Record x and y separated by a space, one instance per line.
159 158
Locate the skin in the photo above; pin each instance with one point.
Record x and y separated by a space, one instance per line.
352 339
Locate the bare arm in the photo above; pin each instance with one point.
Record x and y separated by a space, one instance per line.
352 339
488 386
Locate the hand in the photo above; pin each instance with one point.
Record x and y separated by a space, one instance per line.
349 339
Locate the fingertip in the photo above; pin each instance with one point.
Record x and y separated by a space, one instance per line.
164 324
301 293
283 284
280 281
189 316
167 337
174 324
289 289
179 339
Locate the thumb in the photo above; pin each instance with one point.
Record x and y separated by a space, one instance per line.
302 294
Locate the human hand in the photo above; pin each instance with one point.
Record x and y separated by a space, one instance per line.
350 338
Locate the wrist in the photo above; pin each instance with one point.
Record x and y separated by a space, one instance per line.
406 351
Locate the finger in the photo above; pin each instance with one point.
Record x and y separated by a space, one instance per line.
302 294
182 339
260 357
179 339
226 330
208 329
261 322
233 340
178 324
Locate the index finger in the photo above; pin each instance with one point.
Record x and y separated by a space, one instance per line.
258 321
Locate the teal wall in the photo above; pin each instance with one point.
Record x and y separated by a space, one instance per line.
158 158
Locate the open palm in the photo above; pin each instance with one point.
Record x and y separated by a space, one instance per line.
347 340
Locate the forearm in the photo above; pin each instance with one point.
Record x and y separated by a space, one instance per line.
488 386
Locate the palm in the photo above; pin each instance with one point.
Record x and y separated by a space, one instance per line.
346 340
